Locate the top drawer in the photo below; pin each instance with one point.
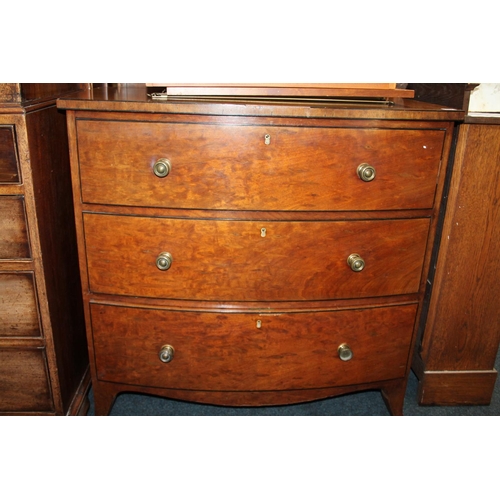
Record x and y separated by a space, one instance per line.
264 167
9 171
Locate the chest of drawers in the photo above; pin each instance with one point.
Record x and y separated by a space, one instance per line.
44 368
253 253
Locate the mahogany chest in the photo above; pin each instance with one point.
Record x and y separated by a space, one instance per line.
253 253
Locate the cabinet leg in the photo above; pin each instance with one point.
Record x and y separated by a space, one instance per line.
394 396
104 398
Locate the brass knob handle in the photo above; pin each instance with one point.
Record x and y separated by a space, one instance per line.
366 172
345 352
164 261
355 262
166 353
162 167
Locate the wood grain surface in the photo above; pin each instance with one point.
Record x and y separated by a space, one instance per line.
231 260
230 167
230 352
14 242
9 168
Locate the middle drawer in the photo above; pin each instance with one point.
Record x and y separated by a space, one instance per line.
253 260
14 241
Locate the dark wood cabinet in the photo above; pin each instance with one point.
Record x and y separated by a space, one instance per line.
460 334
43 351
253 253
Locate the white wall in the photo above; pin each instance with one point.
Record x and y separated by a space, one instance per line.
485 98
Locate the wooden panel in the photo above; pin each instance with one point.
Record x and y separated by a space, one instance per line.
289 86
346 90
216 351
24 385
9 168
18 306
38 91
463 331
451 95
230 260
50 177
231 167
13 233
456 388
26 92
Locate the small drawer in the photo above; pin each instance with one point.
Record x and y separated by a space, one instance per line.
24 381
233 167
9 165
13 232
250 352
253 260
18 306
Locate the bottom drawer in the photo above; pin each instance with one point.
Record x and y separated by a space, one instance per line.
251 351
24 384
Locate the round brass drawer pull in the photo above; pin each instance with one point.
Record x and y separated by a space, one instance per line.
355 262
166 353
345 352
164 261
162 167
366 172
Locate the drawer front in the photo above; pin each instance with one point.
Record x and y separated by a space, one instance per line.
24 382
13 232
253 260
18 306
231 167
232 352
9 167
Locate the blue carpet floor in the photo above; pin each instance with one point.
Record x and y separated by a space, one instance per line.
364 403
